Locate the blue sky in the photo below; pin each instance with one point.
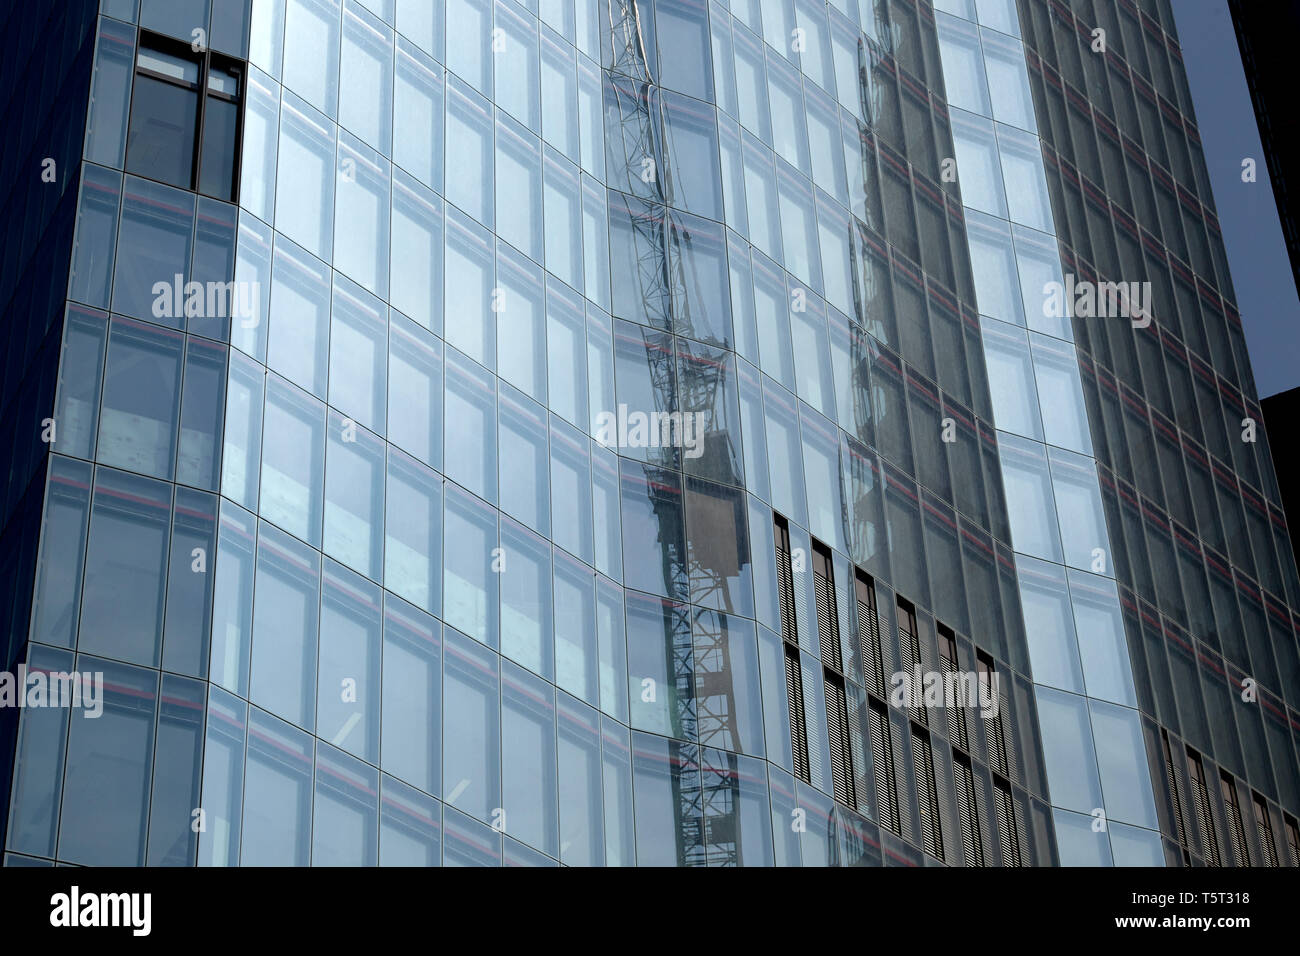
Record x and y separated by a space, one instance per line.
1257 257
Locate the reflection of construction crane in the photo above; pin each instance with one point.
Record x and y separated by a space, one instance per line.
708 822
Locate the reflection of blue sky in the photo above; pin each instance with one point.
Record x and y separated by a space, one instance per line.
1261 272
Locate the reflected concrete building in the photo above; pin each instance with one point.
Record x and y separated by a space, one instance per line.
629 432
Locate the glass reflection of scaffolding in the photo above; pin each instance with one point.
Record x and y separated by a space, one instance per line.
708 824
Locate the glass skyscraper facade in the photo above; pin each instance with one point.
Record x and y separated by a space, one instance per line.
539 432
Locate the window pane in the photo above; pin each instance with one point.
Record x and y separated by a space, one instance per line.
469 41
526 600
96 237
471 452
582 841
529 781
153 248
214 265
358 355
576 653
653 530
232 605
417 114
347 707
413 547
285 627
354 496
1049 624
220 135
172 840
311 58
362 205
515 63
1068 750
559 96
415 272
110 762
564 223
469 151
164 119
366 77
412 701
345 824
472 759
277 794
125 567
190 583
521 343
202 408
567 354
470 280
242 449
410 827
293 464
415 391
304 202
1030 506
63 553
519 187
658 641
571 504
525 491
300 301
1078 506
470 582
223 778
1121 759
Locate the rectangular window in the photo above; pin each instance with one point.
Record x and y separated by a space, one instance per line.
411 729
1204 813
1173 778
1264 824
350 648
909 645
967 812
827 615
927 794
1008 838
184 125
794 696
999 758
1236 826
869 636
1293 839
837 723
957 733
413 542
882 760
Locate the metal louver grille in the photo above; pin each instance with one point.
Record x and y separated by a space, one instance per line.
909 645
1175 792
837 722
882 760
1204 815
956 718
869 642
969 817
785 584
1008 840
827 623
1265 826
927 796
798 728
1236 828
